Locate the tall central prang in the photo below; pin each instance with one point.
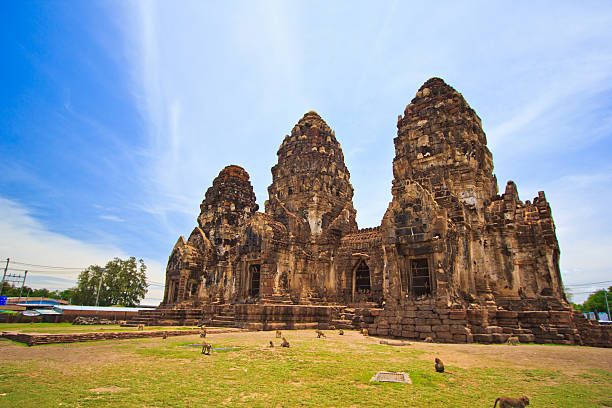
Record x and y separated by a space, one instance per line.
310 192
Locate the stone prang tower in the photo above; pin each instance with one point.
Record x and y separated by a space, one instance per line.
452 259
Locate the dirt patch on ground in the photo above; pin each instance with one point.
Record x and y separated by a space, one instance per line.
568 359
72 353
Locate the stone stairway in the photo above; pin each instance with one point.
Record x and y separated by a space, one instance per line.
345 320
225 318
168 317
278 300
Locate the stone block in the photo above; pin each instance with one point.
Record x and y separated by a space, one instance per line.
482 338
395 332
506 314
526 338
425 315
444 336
499 337
457 314
422 328
494 330
408 320
560 317
382 331
457 329
410 334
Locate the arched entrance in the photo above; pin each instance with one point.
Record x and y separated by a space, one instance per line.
362 281
254 280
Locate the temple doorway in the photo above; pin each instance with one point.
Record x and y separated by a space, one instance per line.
254 280
362 278
420 282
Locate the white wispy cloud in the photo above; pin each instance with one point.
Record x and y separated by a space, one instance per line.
25 240
111 217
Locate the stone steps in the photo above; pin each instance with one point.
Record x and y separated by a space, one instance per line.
342 324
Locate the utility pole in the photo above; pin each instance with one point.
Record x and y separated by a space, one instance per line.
4 276
607 305
22 283
102 270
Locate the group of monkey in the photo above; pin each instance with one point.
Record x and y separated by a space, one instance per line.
319 333
504 402
284 343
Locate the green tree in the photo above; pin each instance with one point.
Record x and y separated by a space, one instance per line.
120 282
597 302
13 291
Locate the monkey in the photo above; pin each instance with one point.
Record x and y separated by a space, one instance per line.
165 336
285 343
513 340
341 332
271 344
278 334
320 334
364 331
203 333
206 348
428 340
507 402
141 326
439 365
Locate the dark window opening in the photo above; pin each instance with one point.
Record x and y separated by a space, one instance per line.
254 287
421 282
289 191
174 291
362 278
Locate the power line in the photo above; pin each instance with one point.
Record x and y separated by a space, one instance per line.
48 266
587 284
36 271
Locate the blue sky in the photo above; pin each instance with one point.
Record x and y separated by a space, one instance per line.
115 116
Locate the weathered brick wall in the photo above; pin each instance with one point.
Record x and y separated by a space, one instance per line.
35 339
419 320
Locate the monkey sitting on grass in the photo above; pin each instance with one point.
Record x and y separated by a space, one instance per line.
439 365
507 402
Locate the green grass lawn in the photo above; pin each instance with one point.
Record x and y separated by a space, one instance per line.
332 372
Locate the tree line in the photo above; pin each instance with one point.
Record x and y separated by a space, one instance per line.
120 282
596 302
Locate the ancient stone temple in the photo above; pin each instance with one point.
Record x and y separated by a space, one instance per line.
452 259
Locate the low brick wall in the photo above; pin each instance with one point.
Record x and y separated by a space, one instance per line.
32 339
422 319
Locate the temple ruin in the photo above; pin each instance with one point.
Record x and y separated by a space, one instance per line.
452 258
